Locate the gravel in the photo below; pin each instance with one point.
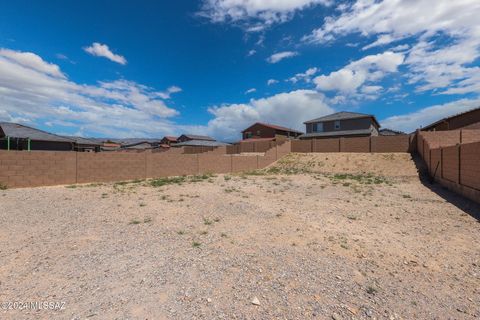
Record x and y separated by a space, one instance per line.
307 245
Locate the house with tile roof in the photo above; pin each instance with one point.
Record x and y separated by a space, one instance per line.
342 124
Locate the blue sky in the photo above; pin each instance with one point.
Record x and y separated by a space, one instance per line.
152 68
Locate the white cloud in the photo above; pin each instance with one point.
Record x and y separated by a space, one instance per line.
447 34
252 90
411 121
279 56
366 70
32 61
251 52
39 92
305 76
262 12
288 109
271 82
168 93
102 50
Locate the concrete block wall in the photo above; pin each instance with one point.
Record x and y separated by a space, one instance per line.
355 144
44 168
470 165
401 143
458 161
450 168
39 168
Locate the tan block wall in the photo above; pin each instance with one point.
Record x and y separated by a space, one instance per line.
165 164
37 168
460 170
355 144
108 167
302 146
436 162
326 145
469 136
470 166
214 163
400 143
244 163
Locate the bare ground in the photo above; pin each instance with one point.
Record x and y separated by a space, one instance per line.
325 236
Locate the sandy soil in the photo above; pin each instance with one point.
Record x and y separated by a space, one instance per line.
303 238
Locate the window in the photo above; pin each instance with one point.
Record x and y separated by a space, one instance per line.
248 135
318 127
258 133
337 124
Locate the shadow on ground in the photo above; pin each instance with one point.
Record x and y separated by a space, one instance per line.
464 204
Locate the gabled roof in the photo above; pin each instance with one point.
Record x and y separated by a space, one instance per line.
273 126
197 137
200 143
138 145
343 115
170 138
449 118
81 140
15 130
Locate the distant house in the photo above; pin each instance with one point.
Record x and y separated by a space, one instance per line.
15 136
464 120
190 137
109 145
200 143
266 131
192 140
85 145
342 124
390 132
140 145
167 141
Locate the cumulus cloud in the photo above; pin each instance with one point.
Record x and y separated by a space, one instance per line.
102 50
31 61
35 91
305 76
369 69
260 13
411 121
447 34
279 56
289 109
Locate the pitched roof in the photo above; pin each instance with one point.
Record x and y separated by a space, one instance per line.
449 118
81 140
389 132
360 132
15 130
197 137
141 145
170 138
273 126
200 143
342 115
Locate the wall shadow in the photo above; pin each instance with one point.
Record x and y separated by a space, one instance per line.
466 205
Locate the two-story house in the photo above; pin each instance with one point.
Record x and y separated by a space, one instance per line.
342 124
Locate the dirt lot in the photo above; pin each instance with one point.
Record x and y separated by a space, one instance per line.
316 236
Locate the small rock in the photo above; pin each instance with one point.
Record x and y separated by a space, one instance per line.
255 301
209 300
336 317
